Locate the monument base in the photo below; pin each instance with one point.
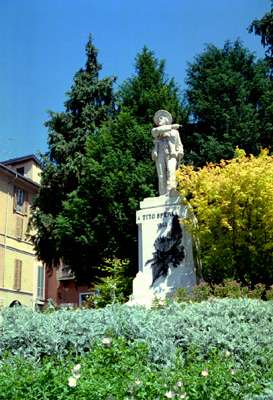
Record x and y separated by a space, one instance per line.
166 260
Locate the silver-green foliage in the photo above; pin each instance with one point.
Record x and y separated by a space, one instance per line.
266 395
238 326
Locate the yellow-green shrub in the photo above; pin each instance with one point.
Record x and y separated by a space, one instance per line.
233 203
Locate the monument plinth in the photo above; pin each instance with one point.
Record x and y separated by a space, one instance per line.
166 259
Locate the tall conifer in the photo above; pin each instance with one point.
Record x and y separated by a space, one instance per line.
89 103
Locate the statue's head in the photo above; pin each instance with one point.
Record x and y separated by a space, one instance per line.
162 117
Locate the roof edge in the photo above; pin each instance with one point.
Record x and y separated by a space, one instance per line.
10 171
18 160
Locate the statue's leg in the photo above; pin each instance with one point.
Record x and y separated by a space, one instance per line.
171 173
161 173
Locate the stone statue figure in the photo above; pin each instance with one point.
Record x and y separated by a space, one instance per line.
167 152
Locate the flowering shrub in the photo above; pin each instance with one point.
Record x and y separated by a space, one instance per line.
123 371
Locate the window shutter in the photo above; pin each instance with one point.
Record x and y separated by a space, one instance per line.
40 283
14 199
19 227
26 203
17 275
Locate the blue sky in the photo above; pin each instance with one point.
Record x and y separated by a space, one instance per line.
42 46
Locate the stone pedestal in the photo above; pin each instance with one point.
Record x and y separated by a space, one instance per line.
165 250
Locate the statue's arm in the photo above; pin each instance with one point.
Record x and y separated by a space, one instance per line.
161 131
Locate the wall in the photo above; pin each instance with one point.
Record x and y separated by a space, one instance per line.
14 244
63 292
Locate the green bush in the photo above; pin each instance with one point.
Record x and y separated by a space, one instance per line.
227 289
114 284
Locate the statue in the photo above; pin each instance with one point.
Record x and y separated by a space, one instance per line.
167 152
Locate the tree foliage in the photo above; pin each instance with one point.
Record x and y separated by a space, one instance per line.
89 103
150 90
228 95
264 28
233 203
99 216
114 285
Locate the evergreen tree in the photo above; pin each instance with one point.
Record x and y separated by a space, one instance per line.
264 28
150 90
118 170
89 103
227 95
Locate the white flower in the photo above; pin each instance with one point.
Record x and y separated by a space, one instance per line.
227 353
137 382
183 396
205 372
76 368
179 384
169 394
107 342
72 381
76 371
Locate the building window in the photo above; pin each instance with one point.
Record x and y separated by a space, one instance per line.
83 297
17 275
20 170
40 282
20 200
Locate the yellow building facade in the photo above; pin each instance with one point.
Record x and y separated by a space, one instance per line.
21 274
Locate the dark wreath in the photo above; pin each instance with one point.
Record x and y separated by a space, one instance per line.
168 251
